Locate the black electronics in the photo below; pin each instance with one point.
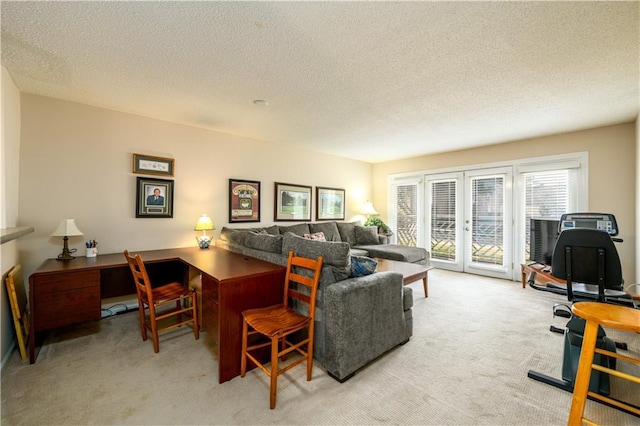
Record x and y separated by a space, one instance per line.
543 234
602 221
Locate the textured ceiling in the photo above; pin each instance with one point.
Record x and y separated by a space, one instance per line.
373 81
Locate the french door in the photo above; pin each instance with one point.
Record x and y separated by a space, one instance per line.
470 221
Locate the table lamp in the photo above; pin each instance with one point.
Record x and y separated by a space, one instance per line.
368 209
66 229
204 224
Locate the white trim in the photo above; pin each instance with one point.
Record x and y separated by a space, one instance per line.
582 157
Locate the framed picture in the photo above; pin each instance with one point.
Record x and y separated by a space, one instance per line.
329 203
292 202
244 201
149 165
154 198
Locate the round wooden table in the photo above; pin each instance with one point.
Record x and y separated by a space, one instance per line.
596 314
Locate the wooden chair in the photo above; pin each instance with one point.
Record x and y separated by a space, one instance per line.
278 322
153 298
19 307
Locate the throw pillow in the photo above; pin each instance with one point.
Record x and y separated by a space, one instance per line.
366 236
362 265
319 236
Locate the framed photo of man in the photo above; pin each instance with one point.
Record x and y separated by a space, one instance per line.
154 198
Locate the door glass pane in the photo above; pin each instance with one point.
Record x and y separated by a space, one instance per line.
547 196
407 214
443 220
487 220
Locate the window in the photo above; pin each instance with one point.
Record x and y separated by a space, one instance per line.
443 219
479 215
405 213
547 195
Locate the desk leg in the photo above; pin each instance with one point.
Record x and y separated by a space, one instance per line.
425 284
524 278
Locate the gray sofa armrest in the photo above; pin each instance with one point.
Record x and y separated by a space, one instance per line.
364 317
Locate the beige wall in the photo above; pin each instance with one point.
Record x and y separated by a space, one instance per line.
637 258
612 173
76 162
10 124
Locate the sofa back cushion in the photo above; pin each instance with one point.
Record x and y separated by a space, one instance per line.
335 254
347 232
329 229
264 242
238 235
300 229
366 235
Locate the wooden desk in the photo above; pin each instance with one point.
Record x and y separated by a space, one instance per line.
542 276
64 293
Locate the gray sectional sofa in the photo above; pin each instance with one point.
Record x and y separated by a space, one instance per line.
358 318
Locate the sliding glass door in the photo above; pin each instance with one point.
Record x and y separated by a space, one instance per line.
469 221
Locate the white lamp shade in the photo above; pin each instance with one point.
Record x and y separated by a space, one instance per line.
204 224
67 228
368 208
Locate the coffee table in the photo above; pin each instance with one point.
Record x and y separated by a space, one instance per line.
411 272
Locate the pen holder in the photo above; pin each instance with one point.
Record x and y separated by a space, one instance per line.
92 251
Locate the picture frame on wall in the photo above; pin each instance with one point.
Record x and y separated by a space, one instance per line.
330 203
154 198
151 165
292 202
244 200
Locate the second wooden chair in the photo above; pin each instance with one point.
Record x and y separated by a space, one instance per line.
278 322
153 298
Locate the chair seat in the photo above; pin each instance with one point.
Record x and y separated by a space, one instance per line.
168 292
275 320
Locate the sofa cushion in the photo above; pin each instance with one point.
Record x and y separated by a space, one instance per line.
366 236
335 254
263 241
358 252
347 232
318 236
329 229
300 229
237 235
362 265
396 252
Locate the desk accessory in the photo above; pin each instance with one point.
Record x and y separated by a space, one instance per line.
67 228
204 224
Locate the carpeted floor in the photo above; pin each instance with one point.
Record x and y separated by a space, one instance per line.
474 340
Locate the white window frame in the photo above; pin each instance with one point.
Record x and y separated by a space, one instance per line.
578 160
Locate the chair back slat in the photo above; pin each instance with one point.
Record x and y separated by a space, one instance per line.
313 267
140 276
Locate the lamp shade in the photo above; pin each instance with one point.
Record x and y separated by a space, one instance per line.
204 224
67 228
368 209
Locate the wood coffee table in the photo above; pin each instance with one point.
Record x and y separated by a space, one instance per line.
411 272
